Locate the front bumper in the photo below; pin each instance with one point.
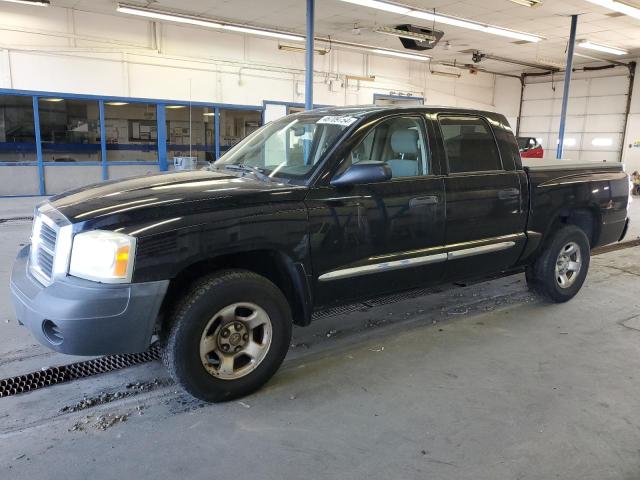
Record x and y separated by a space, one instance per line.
81 317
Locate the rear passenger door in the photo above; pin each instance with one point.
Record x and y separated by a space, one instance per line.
485 213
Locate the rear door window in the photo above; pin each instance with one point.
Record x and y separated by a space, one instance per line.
469 144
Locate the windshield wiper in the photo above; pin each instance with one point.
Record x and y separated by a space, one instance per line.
247 168
241 167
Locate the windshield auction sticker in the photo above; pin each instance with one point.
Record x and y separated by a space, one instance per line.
337 120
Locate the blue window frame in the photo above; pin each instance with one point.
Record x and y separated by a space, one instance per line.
151 143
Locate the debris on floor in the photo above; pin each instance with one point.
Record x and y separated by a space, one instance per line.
132 389
101 422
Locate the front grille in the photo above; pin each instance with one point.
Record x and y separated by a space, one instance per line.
45 262
44 243
48 237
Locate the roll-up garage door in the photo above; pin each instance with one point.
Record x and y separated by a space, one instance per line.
595 117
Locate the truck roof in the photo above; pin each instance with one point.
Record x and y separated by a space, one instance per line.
365 110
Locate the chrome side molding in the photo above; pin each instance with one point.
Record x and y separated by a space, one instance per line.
505 244
383 267
468 252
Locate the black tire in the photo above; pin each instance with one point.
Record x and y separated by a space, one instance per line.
181 353
541 275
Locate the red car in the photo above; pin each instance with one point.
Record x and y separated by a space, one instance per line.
530 147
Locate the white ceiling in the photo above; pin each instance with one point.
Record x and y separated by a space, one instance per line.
336 19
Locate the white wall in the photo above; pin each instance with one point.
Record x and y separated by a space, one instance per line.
596 109
631 147
506 98
63 50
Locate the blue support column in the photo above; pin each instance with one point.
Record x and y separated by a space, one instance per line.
162 137
567 83
36 124
308 76
103 142
216 133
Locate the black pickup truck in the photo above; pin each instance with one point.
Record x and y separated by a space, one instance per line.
312 210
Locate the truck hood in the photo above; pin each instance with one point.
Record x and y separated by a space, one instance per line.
150 197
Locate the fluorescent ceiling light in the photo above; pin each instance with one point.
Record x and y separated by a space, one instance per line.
52 99
446 19
361 78
175 107
36 3
602 48
445 74
293 48
204 22
387 7
396 32
264 33
116 104
528 3
172 17
209 114
393 53
618 7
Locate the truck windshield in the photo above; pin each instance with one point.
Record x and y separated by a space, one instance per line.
288 149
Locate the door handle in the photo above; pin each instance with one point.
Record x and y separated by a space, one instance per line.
427 200
508 193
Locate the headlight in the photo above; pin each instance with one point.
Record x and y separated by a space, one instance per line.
103 256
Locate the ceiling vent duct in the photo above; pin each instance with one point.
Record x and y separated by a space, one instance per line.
413 37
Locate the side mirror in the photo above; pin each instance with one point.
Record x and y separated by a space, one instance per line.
363 172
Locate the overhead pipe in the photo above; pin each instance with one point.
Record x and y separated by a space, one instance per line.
632 76
567 83
522 85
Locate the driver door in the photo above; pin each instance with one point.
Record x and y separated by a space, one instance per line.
376 238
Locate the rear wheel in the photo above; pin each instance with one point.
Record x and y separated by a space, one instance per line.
561 269
228 336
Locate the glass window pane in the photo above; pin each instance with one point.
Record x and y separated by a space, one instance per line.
69 130
190 135
236 125
400 143
289 148
17 132
470 144
131 132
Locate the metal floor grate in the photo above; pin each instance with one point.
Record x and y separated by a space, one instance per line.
66 373
16 219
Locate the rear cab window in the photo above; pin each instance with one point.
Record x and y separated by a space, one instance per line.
469 144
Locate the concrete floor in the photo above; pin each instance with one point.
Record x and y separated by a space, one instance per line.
478 382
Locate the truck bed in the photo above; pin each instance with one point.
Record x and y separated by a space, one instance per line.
595 191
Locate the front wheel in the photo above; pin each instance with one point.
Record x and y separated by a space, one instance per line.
228 336
561 269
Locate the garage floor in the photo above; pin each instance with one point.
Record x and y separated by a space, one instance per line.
477 382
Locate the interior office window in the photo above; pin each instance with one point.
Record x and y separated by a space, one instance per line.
131 132
190 135
400 142
469 144
237 124
17 131
69 130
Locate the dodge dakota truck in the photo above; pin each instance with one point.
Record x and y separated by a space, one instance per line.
312 210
